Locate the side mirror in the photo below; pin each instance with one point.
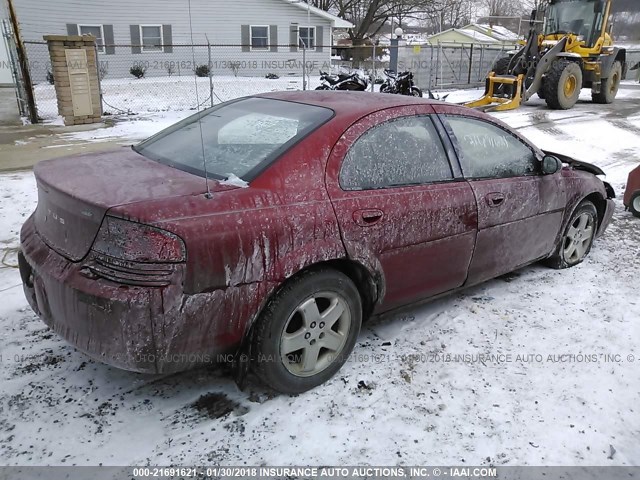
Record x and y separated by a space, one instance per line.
550 165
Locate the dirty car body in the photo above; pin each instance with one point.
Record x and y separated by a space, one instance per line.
134 262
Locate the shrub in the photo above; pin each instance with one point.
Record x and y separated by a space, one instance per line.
271 76
138 71
203 70
50 78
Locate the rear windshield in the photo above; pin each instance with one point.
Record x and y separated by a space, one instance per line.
238 138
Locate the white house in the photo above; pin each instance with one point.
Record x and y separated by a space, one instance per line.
257 35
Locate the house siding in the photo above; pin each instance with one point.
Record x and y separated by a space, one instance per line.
220 21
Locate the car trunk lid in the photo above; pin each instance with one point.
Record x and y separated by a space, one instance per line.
74 194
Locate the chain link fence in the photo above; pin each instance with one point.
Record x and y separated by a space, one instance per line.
187 77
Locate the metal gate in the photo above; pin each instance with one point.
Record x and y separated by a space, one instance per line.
21 95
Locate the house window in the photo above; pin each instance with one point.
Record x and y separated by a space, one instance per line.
96 31
259 37
151 37
307 37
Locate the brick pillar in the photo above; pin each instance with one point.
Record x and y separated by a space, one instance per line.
75 77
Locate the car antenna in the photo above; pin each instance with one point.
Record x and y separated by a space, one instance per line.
195 79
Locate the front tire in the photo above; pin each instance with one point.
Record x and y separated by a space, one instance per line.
307 331
562 85
501 67
416 92
323 87
609 87
540 91
634 204
577 238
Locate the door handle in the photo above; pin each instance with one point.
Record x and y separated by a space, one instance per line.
495 199
368 217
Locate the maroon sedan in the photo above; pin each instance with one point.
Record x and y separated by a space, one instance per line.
631 198
321 209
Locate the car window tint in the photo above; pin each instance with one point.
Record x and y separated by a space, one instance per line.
402 151
489 151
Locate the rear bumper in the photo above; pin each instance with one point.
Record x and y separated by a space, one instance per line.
142 329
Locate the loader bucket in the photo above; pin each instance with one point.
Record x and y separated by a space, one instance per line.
492 102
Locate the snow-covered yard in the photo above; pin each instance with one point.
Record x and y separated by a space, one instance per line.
540 367
163 94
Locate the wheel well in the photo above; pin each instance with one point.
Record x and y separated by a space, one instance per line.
365 283
363 280
600 204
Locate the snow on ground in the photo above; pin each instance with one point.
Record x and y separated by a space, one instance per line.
404 397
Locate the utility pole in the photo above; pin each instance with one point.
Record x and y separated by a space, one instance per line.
24 65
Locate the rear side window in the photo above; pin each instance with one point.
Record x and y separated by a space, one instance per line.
237 137
488 151
399 152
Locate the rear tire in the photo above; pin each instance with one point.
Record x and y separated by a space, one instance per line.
609 87
577 238
307 331
562 85
634 204
416 92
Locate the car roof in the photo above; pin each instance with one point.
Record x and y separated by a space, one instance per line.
349 103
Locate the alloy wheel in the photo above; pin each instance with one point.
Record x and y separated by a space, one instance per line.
578 239
315 334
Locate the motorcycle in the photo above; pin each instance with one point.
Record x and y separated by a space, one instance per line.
343 81
400 83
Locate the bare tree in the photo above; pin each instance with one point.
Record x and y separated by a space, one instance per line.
503 8
325 5
369 16
443 14
529 5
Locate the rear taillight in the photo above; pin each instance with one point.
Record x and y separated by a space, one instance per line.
131 253
135 242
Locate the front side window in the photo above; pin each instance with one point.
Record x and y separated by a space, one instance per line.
237 137
307 37
488 151
151 36
96 31
259 37
399 152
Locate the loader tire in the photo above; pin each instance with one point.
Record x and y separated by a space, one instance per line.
540 91
562 84
609 86
501 67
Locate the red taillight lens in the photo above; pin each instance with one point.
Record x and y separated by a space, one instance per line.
136 242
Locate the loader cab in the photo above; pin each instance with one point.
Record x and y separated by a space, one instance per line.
582 18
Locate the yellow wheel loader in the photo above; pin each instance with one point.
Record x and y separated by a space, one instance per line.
574 51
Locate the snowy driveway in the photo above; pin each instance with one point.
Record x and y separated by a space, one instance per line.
538 367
